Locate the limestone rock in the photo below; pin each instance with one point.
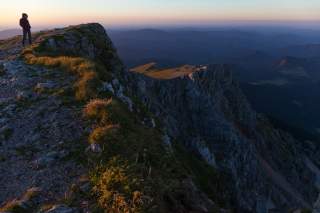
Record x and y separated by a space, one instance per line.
44 86
207 112
94 148
61 209
107 87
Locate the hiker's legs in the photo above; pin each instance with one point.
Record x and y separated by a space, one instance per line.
24 37
29 36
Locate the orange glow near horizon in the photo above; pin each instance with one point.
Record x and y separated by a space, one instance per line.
143 12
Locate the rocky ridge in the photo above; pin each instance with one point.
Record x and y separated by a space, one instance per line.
37 131
207 112
193 142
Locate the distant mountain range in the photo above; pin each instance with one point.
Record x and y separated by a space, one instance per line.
309 50
217 45
279 70
9 33
288 90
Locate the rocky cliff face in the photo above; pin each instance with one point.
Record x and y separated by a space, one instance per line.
207 112
73 141
188 144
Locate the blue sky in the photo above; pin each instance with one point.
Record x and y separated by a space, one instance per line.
157 12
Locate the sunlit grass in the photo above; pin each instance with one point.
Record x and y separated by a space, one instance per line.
118 188
169 73
134 171
104 134
88 73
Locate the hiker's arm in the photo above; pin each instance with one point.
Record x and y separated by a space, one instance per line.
29 25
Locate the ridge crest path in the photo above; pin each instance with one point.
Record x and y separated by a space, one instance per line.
37 131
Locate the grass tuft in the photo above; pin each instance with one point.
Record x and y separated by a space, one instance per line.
118 188
104 134
89 73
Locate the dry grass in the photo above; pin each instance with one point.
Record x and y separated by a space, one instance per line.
132 159
89 73
104 134
144 68
134 172
117 188
86 86
97 109
107 111
165 74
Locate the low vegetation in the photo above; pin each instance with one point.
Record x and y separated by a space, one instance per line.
150 70
134 172
133 162
118 188
89 74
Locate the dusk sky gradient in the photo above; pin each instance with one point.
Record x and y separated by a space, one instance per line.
157 12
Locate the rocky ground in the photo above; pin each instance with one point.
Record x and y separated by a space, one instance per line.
38 132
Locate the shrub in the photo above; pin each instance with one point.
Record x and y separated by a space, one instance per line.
117 188
108 111
103 134
89 73
97 109
86 86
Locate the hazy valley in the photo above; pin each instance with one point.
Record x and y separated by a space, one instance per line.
278 68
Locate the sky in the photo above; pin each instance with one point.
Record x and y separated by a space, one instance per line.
43 13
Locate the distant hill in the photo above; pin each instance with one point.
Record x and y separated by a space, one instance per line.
279 63
308 51
9 33
202 46
288 90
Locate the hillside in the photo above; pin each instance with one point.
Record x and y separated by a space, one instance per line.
79 132
4 34
152 71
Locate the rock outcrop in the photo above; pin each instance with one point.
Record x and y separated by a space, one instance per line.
207 112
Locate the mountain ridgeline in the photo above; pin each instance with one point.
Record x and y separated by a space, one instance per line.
90 135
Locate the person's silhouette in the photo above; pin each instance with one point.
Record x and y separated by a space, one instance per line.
26 27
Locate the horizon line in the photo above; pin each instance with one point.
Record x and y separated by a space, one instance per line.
216 23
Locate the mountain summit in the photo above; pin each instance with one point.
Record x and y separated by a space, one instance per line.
79 132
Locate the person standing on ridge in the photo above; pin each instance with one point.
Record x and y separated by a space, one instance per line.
26 27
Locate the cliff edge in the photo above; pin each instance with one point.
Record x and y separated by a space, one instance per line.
79 132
